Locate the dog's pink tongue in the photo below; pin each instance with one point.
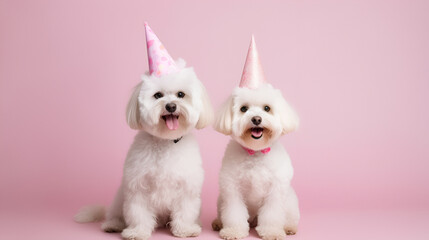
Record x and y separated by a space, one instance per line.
256 132
172 122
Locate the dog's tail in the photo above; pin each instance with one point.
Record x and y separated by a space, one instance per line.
93 213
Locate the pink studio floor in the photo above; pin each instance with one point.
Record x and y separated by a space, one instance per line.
338 224
355 71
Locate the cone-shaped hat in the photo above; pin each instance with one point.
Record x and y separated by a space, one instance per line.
160 62
253 75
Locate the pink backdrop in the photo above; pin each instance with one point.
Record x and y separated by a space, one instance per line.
357 73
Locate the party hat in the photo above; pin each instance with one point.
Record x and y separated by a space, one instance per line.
253 75
160 62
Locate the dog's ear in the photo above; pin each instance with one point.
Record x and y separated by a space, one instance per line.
133 112
223 123
206 113
289 118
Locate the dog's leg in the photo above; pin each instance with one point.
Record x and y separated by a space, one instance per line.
292 212
217 224
234 217
139 219
184 218
114 218
271 217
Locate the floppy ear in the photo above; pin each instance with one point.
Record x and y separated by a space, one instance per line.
223 123
133 112
289 118
206 113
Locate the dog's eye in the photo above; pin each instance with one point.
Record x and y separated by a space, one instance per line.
267 108
244 108
158 95
180 94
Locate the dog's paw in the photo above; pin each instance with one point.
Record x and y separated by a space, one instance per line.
232 233
191 230
291 230
216 225
113 225
135 234
271 233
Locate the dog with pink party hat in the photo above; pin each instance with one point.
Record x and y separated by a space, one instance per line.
255 178
163 174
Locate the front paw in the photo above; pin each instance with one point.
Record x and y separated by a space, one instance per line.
216 225
270 233
135 234
183 231
233 233
291 230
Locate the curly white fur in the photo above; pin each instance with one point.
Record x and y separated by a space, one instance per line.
162 180
256 188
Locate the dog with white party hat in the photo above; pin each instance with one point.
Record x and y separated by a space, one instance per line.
255 178
163 174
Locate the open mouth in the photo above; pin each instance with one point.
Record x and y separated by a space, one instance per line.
171 121
256 132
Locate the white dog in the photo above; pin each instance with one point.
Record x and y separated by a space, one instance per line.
256 171
163 175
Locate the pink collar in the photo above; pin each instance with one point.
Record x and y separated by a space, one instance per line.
251 152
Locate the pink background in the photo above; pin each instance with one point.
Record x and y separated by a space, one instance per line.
357 73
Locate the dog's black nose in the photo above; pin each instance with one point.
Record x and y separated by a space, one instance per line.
171 107
256 120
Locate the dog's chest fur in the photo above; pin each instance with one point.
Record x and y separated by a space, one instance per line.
258 175
255 179
163 170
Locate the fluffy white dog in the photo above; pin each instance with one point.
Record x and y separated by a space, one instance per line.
255 178
163 174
